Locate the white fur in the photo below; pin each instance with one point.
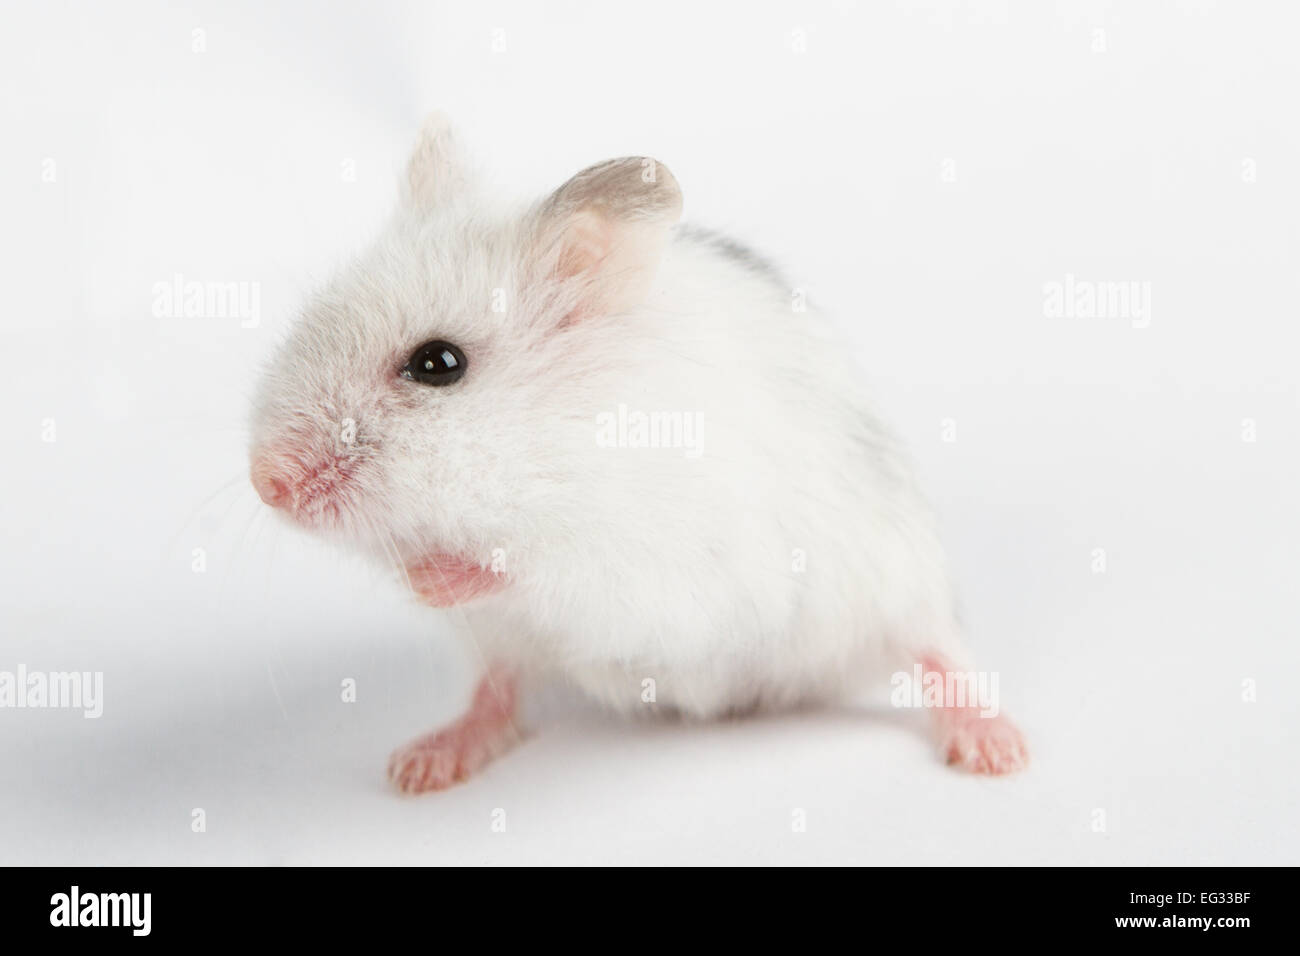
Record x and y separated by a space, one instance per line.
624 564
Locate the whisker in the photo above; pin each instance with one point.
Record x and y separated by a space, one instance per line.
222 489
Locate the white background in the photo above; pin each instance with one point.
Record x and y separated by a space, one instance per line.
921 170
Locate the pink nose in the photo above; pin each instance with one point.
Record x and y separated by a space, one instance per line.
271 487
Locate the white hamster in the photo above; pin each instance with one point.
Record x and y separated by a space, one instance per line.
619 445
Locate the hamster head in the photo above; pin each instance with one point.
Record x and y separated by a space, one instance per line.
417 408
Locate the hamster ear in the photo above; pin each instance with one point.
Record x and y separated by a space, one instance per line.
437 169
608 226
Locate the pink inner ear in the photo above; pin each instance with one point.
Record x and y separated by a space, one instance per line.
594 251
587 241
613 260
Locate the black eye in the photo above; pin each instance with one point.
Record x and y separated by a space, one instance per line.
436 363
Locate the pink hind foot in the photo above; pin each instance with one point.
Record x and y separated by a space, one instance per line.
485 731
976 743
991 745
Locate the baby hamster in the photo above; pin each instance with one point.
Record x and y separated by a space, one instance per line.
622 446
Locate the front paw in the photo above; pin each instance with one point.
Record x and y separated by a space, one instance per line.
426 764
438 760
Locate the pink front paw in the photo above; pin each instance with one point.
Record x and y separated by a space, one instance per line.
992 745
438 760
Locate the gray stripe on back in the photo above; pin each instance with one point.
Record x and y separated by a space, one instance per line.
733 250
